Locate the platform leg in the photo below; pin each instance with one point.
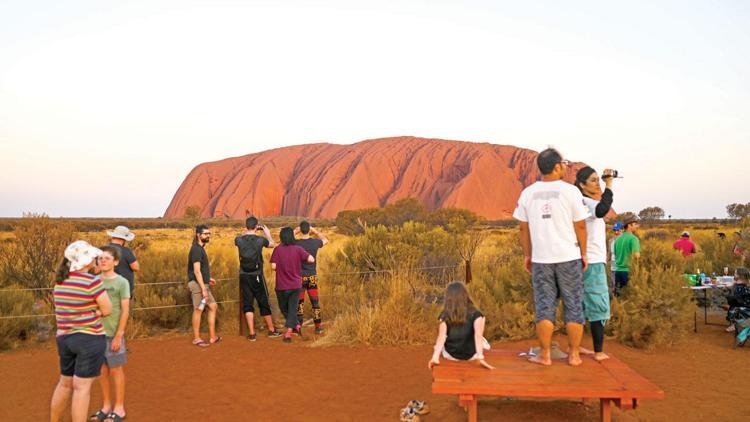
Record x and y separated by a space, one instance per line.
605 406
469 402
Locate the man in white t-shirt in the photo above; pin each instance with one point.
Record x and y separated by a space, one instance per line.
553 238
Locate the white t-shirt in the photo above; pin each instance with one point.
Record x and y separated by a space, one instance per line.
612 256
550 208
596 234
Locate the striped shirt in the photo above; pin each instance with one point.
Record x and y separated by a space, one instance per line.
75 304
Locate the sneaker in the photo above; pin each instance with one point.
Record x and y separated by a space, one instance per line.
409 415
274 334
287 339
419 407
730 329
252 337
298 331
318 330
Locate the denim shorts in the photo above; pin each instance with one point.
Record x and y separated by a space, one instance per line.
81 354
115 359
551 281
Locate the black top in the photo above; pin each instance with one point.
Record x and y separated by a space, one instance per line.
127 257
262 243
605 204
311 245
460 341
198 254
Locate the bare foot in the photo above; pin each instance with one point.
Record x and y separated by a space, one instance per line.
600 356
539 360
584 351
574 359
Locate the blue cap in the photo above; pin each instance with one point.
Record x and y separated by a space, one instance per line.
617 226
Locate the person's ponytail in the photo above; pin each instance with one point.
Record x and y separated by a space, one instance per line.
63 270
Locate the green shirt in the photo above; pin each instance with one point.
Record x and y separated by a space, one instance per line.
625 245
118 289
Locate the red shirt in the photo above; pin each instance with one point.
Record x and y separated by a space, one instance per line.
288 260
685 245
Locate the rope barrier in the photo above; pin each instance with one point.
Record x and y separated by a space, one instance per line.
234 278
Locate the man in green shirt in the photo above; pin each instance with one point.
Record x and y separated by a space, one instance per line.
118 290
627 246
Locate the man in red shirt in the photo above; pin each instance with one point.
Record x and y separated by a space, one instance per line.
685 245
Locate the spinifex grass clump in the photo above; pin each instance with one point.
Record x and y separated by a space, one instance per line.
654 309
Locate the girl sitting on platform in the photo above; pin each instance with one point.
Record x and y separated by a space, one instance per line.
461 330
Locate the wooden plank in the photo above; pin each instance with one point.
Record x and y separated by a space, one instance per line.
605 410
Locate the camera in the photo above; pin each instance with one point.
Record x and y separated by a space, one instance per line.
614 174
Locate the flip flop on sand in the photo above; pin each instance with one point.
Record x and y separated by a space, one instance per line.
419 407
215 340
200 343
409 415
100 415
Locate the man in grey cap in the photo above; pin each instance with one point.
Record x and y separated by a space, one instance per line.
128 265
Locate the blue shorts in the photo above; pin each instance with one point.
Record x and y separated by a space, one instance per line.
564 279
115 359
81 354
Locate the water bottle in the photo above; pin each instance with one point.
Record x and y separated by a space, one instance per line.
202 305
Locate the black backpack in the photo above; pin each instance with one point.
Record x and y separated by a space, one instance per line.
251 253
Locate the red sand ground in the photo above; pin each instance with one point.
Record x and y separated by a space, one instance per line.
169 379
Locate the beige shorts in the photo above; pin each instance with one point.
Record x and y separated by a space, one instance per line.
197 295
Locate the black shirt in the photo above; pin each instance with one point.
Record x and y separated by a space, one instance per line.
460 342
127 257
311 246
198 254
263 244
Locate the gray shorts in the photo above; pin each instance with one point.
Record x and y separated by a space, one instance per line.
551 281
115 359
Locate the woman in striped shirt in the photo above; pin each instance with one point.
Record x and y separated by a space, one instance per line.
80 301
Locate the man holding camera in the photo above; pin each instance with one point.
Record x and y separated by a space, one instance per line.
310 272
252 281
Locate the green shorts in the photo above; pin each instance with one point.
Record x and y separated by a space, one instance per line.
596 293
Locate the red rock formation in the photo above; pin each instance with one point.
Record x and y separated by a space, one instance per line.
319 180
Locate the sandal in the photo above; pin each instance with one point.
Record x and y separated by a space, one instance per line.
409 415
215 340
200 343
98 416
114 417
419 407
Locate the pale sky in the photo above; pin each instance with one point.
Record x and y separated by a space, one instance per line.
106 106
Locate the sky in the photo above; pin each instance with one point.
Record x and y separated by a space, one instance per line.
106 106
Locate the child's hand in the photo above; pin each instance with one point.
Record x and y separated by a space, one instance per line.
483 363
433 362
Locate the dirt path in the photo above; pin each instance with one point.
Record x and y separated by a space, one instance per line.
168 379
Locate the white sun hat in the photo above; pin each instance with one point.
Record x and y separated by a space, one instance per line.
80 254
122 232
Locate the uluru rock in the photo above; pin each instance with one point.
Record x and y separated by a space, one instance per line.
319 180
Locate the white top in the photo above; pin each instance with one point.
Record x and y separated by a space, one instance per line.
596 234
613 258
550 208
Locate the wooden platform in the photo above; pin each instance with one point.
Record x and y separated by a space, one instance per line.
610 381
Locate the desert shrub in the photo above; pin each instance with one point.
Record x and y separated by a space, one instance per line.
31 259
409 246
654 310
18 303
657 235
502 290
382 312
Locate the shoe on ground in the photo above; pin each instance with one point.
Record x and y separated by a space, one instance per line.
409 415
298 331
419 407
274 334
730 329
252 337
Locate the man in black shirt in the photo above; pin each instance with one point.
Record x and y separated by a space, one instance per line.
310 272
252 281
199 276
128 265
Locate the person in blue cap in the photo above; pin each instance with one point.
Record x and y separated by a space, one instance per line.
617 229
